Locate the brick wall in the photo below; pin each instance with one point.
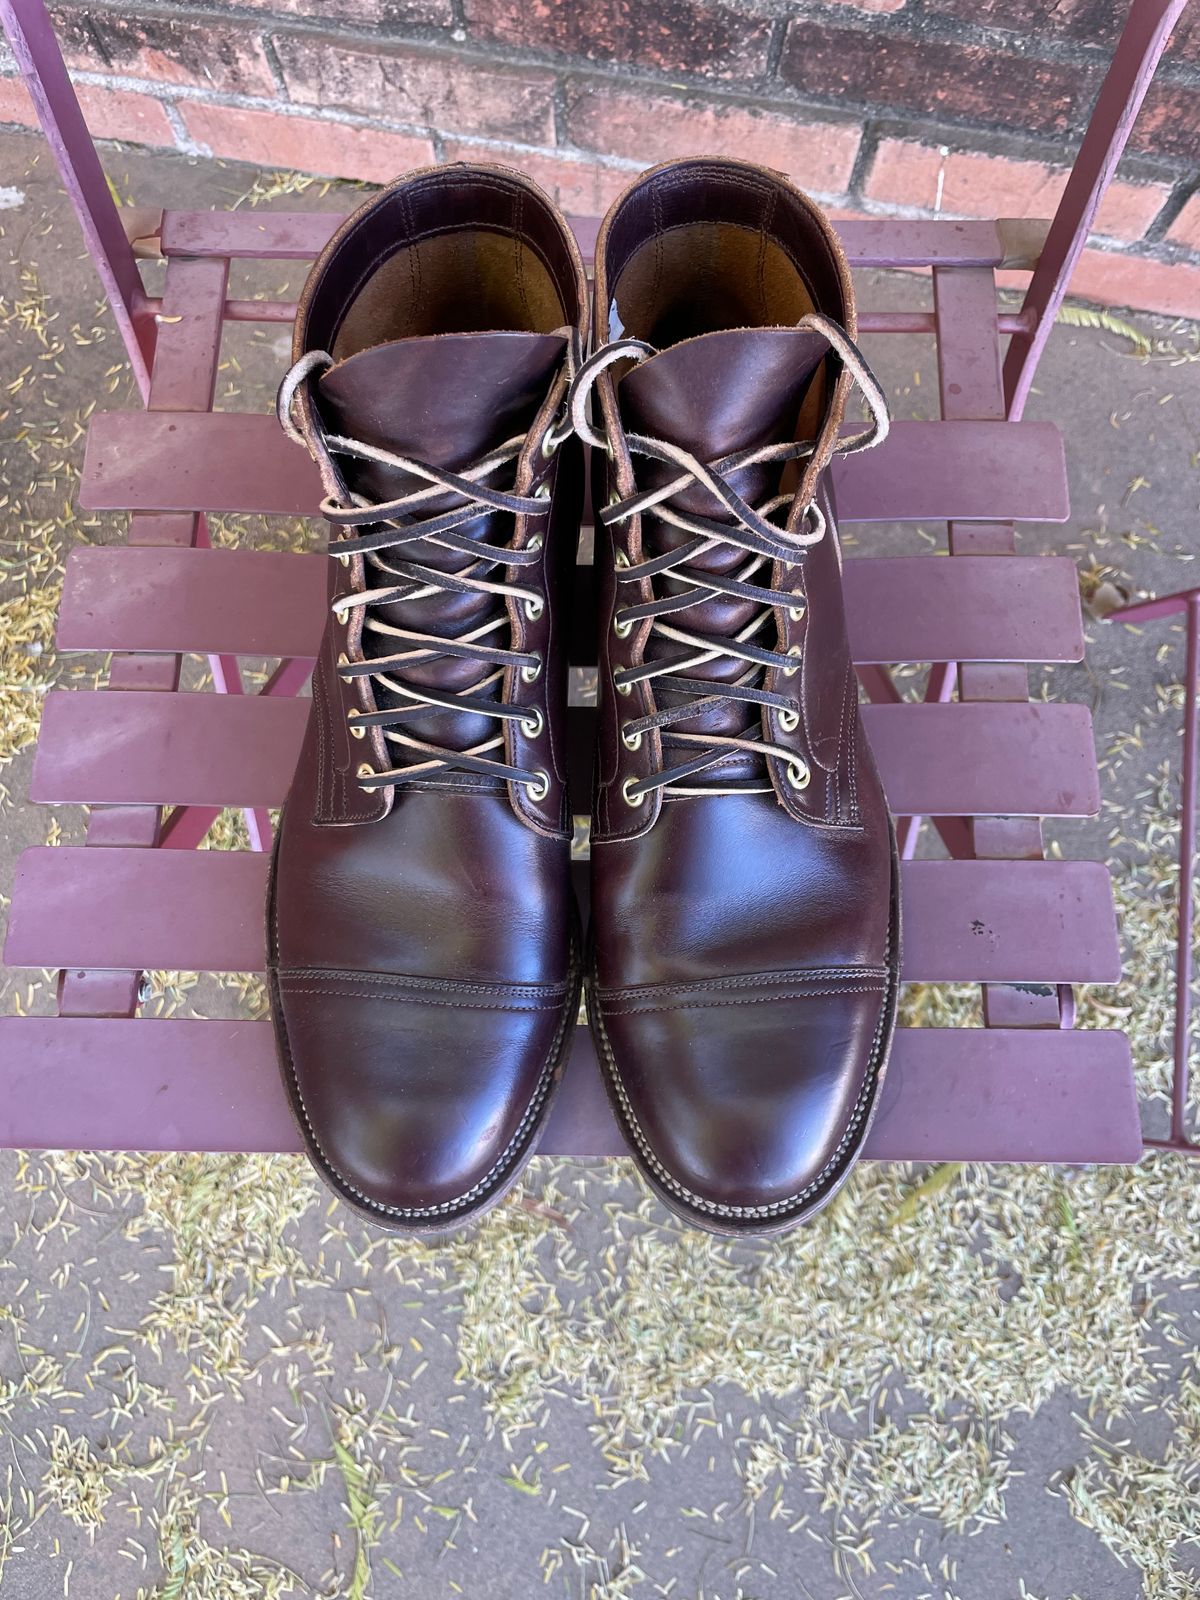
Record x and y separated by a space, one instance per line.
881 107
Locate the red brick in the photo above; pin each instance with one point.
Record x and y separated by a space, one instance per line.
15 104
304 144
423 87
971 184
655 127
1169 288
1185 230
872 69
367 13
109 113
1097 22
201 53
872 5
1169 123
582 187
713 39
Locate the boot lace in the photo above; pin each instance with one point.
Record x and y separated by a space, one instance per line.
397 539
751 531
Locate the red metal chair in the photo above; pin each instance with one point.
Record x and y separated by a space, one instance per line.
977 757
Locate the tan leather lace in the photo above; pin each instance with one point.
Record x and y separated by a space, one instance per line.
751 531
396 535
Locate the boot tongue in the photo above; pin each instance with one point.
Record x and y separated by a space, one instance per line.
714 395
446 400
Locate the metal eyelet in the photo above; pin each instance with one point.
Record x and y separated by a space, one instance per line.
339 556
535 542
356 732
533 673
798 773
621 629
542 492
796 612
550 445
789 721
365 771
343 659
790 672
631 741
629 799
624 688
532 725
534 609
620 559
540 789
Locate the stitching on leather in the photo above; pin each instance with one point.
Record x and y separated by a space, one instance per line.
745 980
495 1173
713 1207
346 993
631 1008
500 991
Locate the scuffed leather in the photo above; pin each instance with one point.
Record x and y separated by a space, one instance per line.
745 948
423 950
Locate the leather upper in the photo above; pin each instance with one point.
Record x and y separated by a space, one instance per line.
745 943
422 933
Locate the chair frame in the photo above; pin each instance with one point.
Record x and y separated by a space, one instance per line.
173 344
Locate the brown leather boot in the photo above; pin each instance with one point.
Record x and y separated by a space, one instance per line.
423 953
744 885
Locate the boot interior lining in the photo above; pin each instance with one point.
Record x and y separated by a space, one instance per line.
703 277
463 281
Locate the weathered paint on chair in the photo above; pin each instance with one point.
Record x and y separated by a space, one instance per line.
977 757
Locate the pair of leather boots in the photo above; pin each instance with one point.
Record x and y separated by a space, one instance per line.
425 950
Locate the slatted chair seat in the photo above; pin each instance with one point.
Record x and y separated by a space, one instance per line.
976 758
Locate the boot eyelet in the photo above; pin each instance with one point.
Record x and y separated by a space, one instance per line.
356 731
621 629
790 672
535 542
341 557
631 741
624 688
620 560
789 721
550 444
541 788
532 673
343 659
532 725
798 773
631 800
365 771
542 492
796 612
534 609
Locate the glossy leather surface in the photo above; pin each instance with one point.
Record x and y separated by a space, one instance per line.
422 942
745 945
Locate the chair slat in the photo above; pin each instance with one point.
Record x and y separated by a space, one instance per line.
965 1094
231 462
263 603
1017 921
98 747
300 235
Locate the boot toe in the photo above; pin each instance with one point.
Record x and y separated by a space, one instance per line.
747 1112
419 1104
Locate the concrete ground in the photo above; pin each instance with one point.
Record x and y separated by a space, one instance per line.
215 1382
